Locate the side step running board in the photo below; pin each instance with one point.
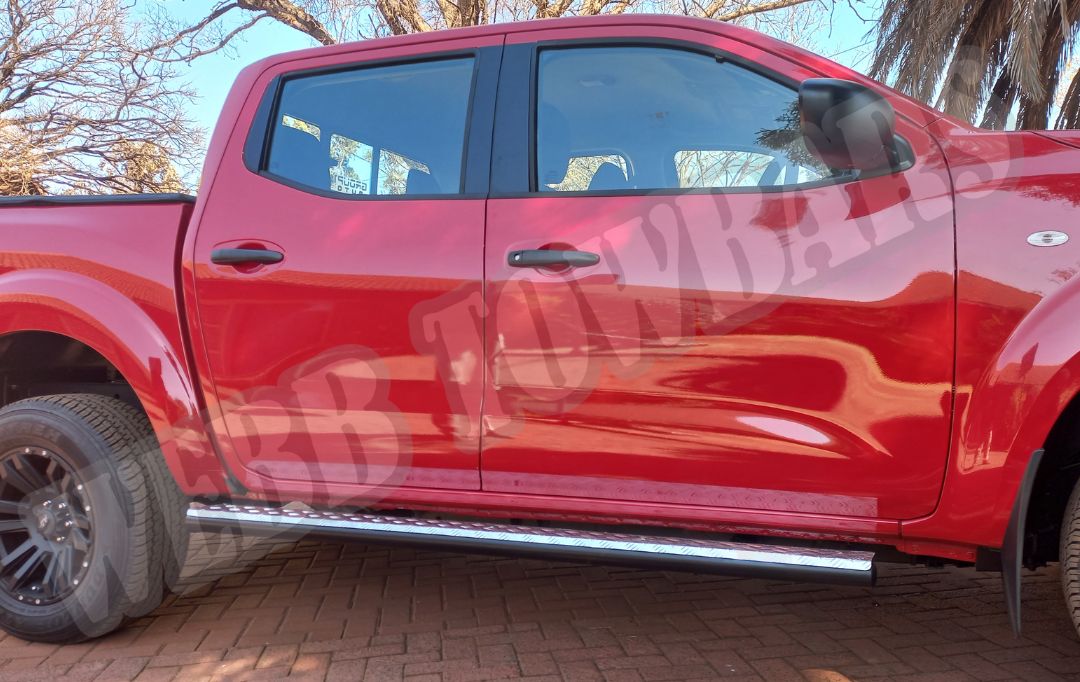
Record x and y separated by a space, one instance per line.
665 553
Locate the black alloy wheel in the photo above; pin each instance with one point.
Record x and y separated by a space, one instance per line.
46 533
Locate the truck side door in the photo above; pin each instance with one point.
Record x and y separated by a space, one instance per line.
688 308
352 193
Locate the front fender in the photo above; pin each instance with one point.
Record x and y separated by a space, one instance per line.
1003 419
142 340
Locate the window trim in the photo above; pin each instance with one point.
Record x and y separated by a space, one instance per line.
476 143
531 188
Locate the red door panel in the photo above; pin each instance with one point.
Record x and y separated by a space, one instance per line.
788 351
338 304
322 393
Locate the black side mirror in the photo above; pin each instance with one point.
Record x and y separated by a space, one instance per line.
848 126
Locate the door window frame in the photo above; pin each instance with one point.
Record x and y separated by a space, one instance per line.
514 159
476 144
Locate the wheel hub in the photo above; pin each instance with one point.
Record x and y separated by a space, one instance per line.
53 519
46 520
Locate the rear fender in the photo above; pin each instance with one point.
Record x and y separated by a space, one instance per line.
146 352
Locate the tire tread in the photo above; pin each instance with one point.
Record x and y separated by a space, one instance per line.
158 537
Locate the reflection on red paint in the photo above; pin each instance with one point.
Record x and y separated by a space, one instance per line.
847 361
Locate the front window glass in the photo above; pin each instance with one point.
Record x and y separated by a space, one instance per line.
673 119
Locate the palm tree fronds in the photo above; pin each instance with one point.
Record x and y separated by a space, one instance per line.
979 54
1029 28
909 43
982 58
1000 103
1069 116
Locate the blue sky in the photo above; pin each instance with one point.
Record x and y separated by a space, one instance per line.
212 75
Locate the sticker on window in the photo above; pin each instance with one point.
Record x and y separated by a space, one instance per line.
352 172
394 172
302 126
580 171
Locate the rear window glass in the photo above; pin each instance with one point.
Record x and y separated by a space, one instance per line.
375 131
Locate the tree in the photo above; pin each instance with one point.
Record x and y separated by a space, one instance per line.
83 105
20 165
332 21
146 167
980 59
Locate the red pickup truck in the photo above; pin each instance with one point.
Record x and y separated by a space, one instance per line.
646 290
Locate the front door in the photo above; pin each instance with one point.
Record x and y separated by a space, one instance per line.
317 247
687 308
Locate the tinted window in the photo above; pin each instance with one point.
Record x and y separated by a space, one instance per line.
375 131
623 118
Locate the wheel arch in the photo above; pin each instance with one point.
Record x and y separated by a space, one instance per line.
1054 481
140 349
1028 393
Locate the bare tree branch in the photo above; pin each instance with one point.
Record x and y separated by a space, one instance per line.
292 15
748 9
82 105
403 16
327 21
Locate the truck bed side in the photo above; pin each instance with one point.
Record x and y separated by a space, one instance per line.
89 285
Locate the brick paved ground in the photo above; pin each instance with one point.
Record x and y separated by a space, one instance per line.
345 612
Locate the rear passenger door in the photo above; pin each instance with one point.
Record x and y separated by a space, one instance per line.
687 308
350 197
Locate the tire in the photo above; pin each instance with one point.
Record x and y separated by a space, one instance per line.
168 502
91 523
1070 556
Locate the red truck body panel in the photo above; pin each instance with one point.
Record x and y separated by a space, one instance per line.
263 330
891 398
1017 364
742 391
105 274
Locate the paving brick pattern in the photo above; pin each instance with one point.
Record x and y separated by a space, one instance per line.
330 611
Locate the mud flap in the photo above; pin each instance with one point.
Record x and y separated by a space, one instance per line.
1012 550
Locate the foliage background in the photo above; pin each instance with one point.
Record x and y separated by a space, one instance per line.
107 96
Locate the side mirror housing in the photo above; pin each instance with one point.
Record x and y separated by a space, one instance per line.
849 126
